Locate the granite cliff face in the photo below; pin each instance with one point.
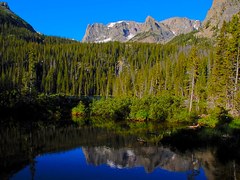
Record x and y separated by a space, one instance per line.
182 25
118 31
221 10
10 18
150 31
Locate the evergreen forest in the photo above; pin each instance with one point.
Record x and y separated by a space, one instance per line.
189 74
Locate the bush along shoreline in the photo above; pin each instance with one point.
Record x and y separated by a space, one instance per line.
159 109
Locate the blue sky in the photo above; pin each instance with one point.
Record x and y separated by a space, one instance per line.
70 18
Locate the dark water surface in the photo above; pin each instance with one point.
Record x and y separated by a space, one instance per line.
71 152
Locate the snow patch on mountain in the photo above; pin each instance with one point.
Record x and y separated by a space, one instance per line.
110 25
196 25
104 40
130 36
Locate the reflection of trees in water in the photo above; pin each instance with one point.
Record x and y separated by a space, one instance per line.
19 147
31 156
195 169
231 170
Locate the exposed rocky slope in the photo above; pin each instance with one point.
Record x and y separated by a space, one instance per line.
221 10
182 25
150 31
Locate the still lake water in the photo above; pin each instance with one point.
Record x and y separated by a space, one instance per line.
94 153
73 164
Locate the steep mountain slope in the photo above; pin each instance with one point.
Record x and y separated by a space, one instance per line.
182 25
153 31
221 10
10 18
14 27
150 31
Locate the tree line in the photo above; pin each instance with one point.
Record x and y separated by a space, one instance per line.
203 73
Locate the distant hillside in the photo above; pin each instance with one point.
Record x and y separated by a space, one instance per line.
10 18
11 25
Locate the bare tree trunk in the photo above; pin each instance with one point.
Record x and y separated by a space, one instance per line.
236 78
151 87
192 93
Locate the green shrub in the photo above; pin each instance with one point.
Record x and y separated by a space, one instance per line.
183 116
79 110
159 108
116 108
164 107
141 115
222 115
158 111
235 124
139 109
153 108
209 121
217 117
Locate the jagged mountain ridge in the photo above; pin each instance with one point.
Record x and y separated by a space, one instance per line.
160 32
150 31
9 17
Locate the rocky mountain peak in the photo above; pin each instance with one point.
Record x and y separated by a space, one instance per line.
4 4
149 19
151 24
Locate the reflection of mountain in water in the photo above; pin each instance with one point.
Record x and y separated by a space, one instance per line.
19 147
148 157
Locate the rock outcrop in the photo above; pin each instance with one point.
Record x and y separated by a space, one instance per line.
221 10
4 4
182 25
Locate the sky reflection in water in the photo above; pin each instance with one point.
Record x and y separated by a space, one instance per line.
73 164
